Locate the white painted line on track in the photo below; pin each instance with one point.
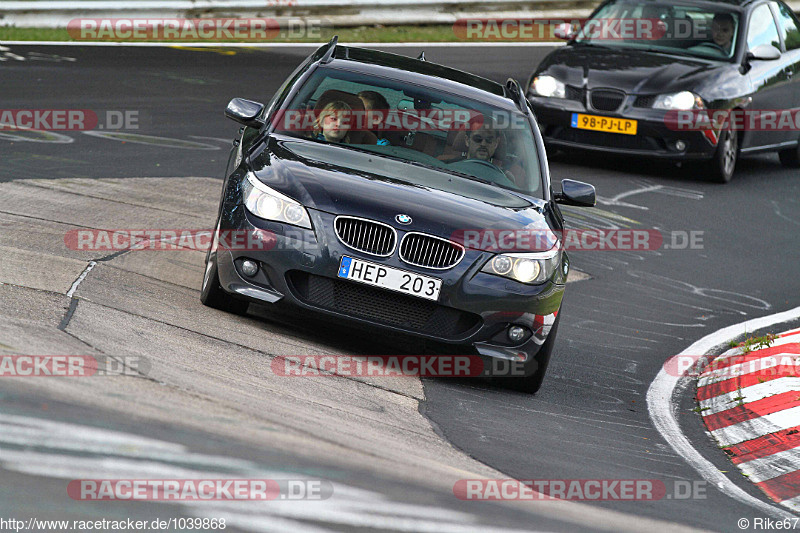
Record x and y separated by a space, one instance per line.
662 410
771 466
792 503
286 45
723 402
757 427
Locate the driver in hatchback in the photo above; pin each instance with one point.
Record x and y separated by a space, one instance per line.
722 28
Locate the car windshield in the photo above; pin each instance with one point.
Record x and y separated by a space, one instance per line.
416 125
682 29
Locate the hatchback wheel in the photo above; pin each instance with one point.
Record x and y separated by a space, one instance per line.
724 161
790 157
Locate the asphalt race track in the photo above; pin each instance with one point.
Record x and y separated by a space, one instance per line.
205 406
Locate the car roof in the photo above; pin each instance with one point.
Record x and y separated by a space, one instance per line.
391 65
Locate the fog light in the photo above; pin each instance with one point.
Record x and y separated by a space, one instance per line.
680 146
249 268
516 333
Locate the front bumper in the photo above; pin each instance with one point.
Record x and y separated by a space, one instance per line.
474 309
653 138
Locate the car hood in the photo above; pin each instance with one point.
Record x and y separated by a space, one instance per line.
633 71
342 181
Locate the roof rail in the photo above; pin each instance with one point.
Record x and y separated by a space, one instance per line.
515 92
328 55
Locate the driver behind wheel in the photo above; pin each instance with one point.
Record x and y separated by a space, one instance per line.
482 140
722 27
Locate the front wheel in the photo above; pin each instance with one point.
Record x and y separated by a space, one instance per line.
212 294
531 384
723 163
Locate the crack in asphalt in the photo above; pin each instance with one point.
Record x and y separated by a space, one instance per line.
68 316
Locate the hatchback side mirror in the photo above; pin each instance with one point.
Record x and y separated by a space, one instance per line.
564 31
245 112
764 52
576 193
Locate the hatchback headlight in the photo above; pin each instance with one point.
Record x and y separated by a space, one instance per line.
269 204
530 268
683 101
548 86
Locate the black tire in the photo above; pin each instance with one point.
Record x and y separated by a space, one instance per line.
790 157
531 384
723 164
212 295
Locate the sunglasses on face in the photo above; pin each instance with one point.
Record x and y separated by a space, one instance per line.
478 139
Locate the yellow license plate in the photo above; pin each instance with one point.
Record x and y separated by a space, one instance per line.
596 123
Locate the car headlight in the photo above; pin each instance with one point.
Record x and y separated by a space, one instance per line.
268 203
548 86
530 268
683 100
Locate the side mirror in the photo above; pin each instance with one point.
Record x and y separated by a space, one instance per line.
245 112
764 52
576 193
564 31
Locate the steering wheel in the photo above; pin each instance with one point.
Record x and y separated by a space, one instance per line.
480 161
498 176
713 46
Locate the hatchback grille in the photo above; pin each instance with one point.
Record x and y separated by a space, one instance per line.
607 100
366 236
430 252
382 306
645 100
575 93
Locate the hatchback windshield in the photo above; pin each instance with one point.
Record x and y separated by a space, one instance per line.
416 125
682 29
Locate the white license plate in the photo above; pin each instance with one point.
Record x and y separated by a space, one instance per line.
390 278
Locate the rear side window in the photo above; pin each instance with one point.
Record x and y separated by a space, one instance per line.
762 29
787 24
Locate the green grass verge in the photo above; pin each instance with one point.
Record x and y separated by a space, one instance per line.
378 34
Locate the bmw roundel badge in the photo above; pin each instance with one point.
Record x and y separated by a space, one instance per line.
403 219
